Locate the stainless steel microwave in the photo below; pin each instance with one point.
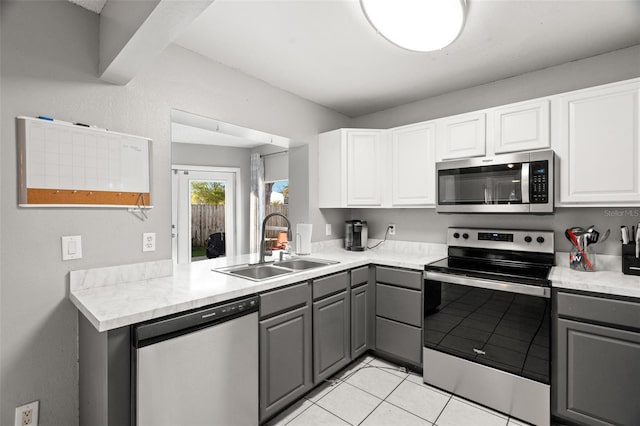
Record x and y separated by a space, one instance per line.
509 183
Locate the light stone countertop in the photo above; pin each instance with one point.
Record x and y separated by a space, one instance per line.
607 278
118 296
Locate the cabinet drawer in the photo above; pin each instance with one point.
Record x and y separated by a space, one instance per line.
400 340
616 312
284 299
359 276
409 279
399 304
330 285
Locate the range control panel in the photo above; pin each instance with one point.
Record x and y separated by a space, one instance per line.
503 239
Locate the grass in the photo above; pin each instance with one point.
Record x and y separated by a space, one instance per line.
198 251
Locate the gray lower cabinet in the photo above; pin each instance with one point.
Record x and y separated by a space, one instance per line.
285 357
362 311
398 309
105 375
331 335
597 365
361 320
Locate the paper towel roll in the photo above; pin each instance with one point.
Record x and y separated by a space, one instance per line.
303 238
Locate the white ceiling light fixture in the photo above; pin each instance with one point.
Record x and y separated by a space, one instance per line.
417 25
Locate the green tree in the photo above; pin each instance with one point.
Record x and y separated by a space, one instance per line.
207 193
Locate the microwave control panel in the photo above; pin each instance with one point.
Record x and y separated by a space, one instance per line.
538 189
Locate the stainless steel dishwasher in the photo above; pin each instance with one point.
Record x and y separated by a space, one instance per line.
198 368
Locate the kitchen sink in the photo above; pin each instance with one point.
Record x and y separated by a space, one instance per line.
302 264
259 272
255 272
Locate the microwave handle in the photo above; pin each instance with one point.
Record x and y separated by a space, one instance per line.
524 181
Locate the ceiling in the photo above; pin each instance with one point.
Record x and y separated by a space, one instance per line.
327 52
92 5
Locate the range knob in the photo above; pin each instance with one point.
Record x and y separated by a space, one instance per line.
528 238
465 236
540 240
456 235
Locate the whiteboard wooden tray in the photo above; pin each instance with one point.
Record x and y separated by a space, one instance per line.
61 164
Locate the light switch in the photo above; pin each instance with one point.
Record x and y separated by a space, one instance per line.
72 247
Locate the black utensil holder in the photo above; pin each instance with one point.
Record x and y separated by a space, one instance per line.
630 264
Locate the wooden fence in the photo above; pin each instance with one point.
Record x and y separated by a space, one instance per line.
207 219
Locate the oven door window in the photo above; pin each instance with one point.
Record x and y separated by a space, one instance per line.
498 184
507 331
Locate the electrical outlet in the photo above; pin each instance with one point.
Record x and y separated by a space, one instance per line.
392 229
149 241
327 229
27 415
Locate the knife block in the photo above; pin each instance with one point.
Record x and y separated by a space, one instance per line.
630 264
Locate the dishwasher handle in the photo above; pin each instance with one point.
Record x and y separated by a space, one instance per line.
158 330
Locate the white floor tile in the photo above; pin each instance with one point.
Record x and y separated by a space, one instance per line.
317 416
390 415
350 370
458 413
368 358
516 422
349 403
290 413
375 381
321 391
394 369
419 400
417 379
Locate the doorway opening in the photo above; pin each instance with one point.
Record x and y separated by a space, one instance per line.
204 216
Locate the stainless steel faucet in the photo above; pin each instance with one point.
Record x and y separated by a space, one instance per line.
263 243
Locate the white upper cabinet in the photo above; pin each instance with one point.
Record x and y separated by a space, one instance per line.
351 171
413 165
597 143
521 127
594 132
462 136
364 167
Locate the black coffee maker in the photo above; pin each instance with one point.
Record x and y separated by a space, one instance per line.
355 235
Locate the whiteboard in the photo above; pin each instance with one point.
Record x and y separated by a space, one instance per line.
62 156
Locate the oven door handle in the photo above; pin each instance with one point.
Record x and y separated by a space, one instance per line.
489 284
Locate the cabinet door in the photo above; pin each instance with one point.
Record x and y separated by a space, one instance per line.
597 374
521 127
413 164
285 360
399 340
598 145
361 320
331 335
462 136
364 167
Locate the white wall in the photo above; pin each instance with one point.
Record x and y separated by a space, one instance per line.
614 66
49 66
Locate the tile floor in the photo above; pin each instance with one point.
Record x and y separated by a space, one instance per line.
373 392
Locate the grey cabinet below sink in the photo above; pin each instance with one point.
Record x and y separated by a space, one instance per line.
285 348
331 326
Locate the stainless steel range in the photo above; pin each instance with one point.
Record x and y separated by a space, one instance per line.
487 317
